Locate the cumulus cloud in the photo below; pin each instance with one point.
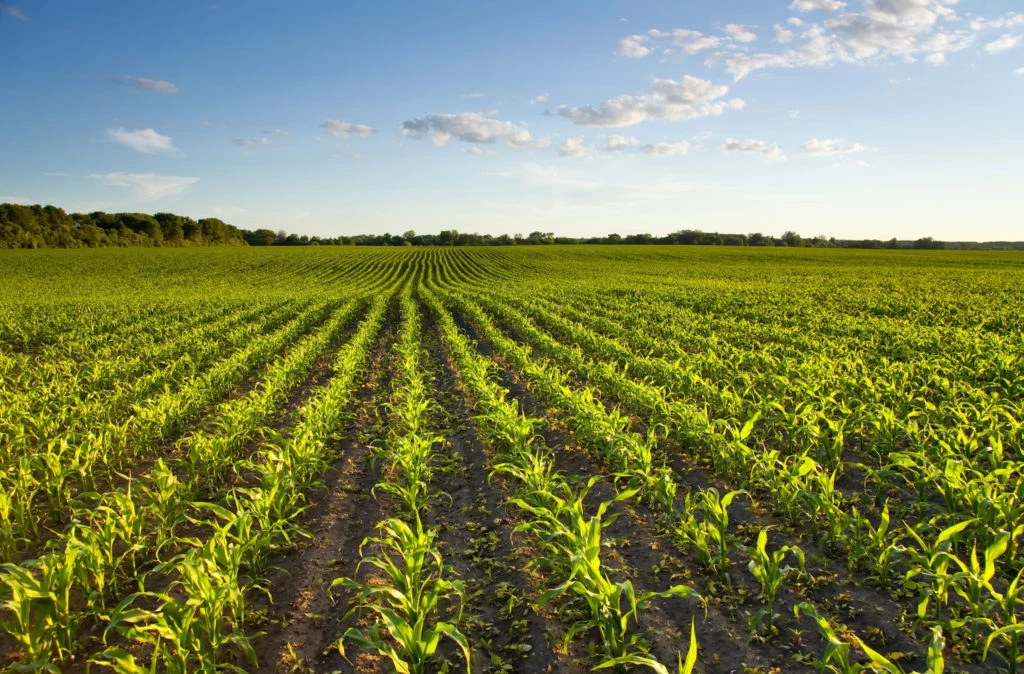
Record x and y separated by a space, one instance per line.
574 147
1003 43
1019 71
147 141
634 47
907 29
830 6
740 33
468 127
346 129
541 98
782 35
768 151
1011 20
666 149
147 186
616 142
688 98
146 84
255 141
830 147
12 11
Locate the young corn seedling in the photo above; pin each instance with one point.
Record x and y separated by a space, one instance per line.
972 581
932 559
409 625
39 599
644 661
768 570
838 656
1012 628
710 535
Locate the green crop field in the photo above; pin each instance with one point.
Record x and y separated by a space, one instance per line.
519 459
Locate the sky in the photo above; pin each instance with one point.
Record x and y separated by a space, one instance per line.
855 119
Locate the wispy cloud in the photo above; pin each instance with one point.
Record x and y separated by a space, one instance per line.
21 201
345 129
539 99
667 149
147 186
146 84
475 94
276 132
12 11
254 141
830 147
147 141
768 151
1004 43
468 127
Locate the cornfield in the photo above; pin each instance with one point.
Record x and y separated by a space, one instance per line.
544 459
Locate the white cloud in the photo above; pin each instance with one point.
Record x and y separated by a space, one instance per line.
831 6
542 142
146 84
12 11
782 36
541 98
936 59
666 149
794 114
830 147
341 129
688 98
147 141
905 29
634 47
616 142
768 151
21 201
147 186
1003 43
255 141
475 94
345 129
740 33
795 21
468 127
1011 20
574 147
276 132
1019 71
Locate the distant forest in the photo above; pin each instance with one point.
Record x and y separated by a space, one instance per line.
50 227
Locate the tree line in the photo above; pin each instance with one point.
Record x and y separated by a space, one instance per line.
50 227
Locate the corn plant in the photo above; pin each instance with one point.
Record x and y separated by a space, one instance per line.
1011 630
838 655
768 570
408 609
709 535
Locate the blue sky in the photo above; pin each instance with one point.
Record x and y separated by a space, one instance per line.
869 118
